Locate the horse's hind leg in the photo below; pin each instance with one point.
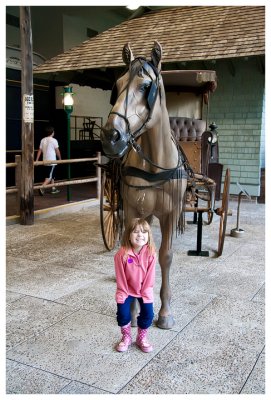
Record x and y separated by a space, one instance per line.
165 318
134 308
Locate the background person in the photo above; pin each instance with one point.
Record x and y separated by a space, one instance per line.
50 151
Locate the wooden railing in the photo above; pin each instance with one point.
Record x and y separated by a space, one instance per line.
16 189
18 184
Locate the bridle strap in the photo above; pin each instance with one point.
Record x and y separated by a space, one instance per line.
122 116
134 135
138 149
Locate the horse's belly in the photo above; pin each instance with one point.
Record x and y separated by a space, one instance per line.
145 202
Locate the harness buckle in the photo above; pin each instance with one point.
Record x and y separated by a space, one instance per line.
135 146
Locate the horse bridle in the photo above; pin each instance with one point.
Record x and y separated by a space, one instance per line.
132 136
153 92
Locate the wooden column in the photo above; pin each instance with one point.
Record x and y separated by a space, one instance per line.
18 181
27 176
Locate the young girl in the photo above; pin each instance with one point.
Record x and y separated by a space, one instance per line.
135 273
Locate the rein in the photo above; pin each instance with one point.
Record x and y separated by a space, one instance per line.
167 174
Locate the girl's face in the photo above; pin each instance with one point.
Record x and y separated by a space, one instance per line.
138 238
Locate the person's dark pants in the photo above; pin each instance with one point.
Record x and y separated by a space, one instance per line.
145 318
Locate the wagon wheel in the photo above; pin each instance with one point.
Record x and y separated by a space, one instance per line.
223 212
109 217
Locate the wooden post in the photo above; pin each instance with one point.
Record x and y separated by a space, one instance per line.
18 170
27 179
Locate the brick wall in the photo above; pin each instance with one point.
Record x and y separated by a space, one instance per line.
237 109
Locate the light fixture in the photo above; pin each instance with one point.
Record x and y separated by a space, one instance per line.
132 6
213 138
68 99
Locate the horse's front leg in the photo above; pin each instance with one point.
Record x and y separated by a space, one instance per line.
165 318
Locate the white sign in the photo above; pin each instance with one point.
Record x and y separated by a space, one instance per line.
28 108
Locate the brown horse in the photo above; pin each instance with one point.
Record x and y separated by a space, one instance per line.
152 173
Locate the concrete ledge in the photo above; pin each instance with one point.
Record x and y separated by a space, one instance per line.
48 212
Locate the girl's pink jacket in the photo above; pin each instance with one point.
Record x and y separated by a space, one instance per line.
135 274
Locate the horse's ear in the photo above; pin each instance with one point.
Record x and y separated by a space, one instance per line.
127 54
156 54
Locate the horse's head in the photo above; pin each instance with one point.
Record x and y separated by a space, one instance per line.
135 102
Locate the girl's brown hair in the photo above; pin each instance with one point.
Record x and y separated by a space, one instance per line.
134 222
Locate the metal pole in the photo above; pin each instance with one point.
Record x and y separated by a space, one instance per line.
68 152
238 210
68 107
199 252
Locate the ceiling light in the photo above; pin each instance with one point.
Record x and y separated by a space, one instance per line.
132 6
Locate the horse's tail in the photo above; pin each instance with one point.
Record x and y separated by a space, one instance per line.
181 221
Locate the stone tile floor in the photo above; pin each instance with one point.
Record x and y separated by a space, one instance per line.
60 322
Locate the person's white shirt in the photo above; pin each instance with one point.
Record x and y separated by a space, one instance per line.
48 146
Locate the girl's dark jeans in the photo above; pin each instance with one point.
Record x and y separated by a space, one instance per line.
145 318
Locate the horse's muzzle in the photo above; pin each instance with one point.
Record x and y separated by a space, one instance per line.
115 143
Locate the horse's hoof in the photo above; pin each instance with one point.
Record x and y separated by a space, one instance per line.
165 322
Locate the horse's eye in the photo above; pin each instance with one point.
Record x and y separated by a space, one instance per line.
144 87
